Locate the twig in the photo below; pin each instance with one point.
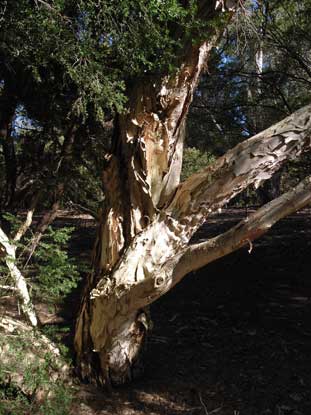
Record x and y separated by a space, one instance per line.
28 221
24 227
214 411
202 403
8 287
52 9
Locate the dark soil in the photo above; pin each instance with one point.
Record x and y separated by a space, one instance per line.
231 339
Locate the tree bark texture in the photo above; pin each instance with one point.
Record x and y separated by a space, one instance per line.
140 178
9 250
149 217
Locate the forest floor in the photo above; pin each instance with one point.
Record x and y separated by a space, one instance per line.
232 339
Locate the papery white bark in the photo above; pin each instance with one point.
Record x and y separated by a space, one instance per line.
16 275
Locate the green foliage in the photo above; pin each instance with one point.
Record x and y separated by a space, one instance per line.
51 274
56 275
22 374
26 366
195 160
56 333
66 63
14 221
83 52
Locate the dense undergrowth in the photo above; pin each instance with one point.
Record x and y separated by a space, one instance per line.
31 380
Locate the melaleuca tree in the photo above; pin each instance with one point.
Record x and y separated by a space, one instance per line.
149 217
139 63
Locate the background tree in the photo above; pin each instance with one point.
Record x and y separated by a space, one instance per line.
242 94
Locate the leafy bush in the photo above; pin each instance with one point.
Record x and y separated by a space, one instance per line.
56 275
31 376
195 160
26 370
51 273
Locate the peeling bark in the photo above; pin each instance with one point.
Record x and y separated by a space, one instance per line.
250 162
142 174
145 270
149 217
18 278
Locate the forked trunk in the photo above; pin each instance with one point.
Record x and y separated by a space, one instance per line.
149 218
140 178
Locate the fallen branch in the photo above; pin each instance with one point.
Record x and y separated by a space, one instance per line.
8 288
18 278
45 222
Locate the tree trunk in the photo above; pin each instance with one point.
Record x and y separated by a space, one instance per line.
140 178
149 218
7 110
62 172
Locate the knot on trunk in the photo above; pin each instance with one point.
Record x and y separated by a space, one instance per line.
159 282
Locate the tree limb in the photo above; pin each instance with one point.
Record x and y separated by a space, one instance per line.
250 162
199 255
148 269
18 278
249 229
28 221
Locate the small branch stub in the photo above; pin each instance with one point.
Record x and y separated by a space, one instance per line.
159 281
250 246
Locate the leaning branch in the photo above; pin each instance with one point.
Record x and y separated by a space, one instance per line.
249 229
45 222
250 162
18 278
28 221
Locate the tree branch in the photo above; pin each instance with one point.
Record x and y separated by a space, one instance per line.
250 162
249 229
160 256
199 255
18 278
28 221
